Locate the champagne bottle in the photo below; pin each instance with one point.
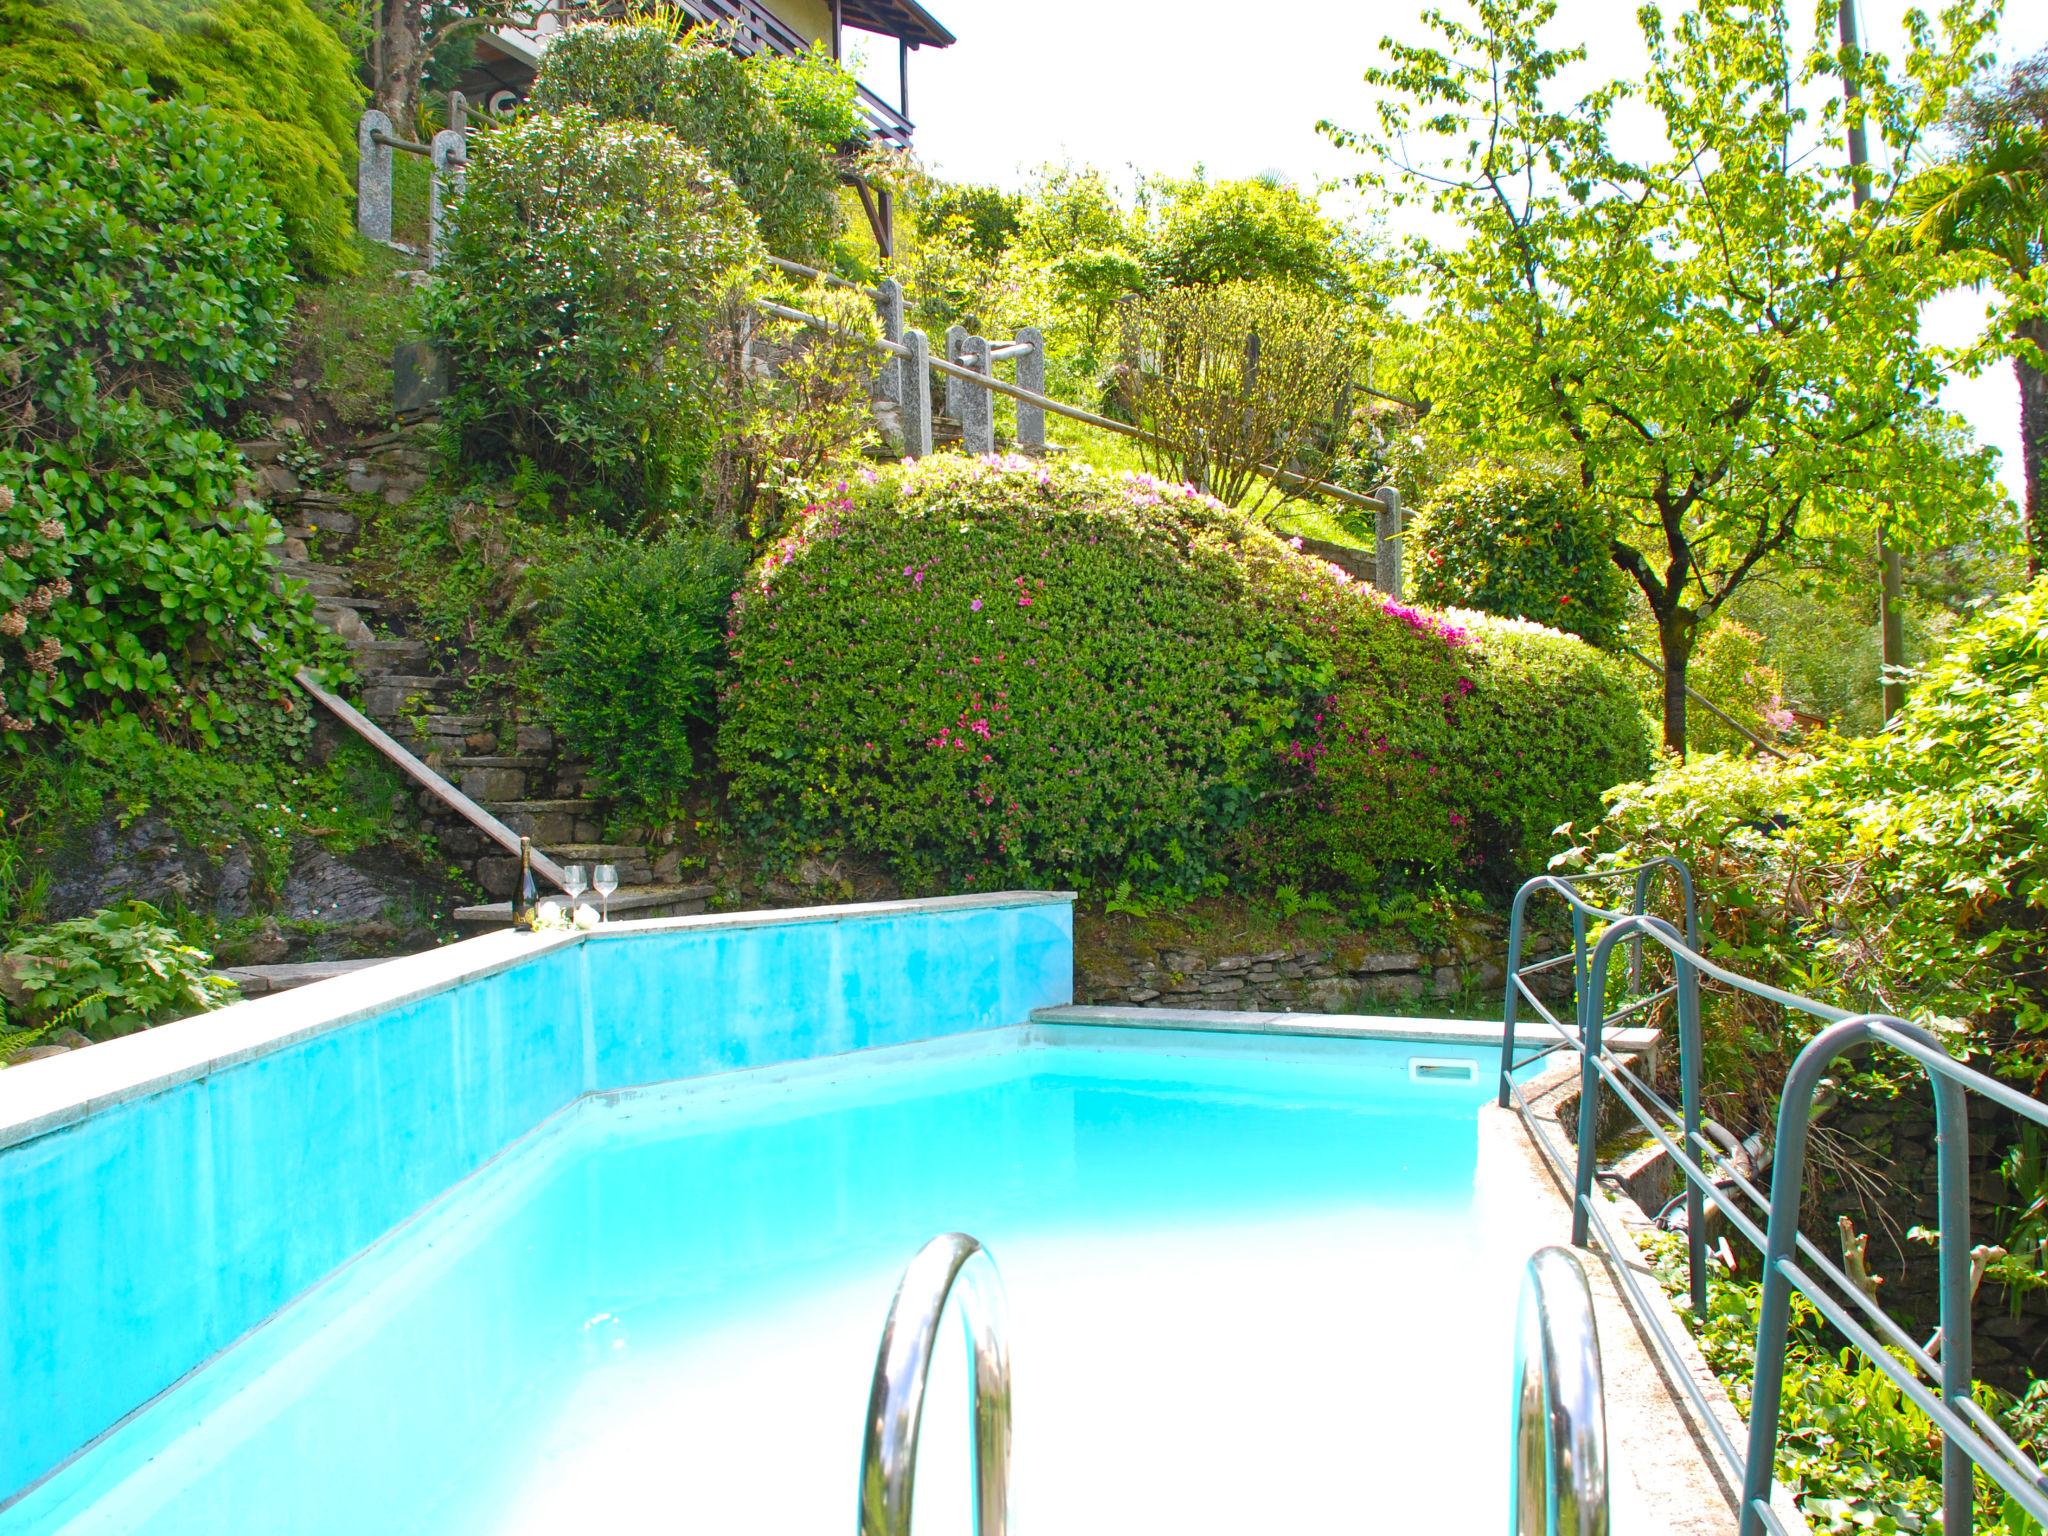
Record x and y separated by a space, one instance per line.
523 899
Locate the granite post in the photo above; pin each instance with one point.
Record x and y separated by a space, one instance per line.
373 178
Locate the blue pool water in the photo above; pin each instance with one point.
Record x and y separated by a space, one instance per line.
659 1312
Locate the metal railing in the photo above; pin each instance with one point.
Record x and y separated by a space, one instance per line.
888 1462
1971 1438
1558 1476
914 348
425 777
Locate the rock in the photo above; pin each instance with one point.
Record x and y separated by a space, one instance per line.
261 450
278 480
1219 988
364 481
37 1053
70 1039
419 376
266 946
294 549
1233 963
535 739
1142 994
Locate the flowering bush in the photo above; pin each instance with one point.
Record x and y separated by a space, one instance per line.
574 296
1520 544
994 672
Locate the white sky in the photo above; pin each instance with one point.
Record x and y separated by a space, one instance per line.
1162 86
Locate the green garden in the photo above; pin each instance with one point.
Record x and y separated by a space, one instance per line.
1697 563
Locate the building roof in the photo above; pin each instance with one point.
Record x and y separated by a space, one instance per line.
897 18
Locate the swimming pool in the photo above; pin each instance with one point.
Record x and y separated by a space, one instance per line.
657 1309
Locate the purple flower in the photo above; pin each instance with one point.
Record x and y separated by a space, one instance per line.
975 606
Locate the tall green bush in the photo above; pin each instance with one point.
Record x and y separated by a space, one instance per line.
770 127
1246 231
273 69
627 665
1906 872
573 298
1522 544
147 291
995 672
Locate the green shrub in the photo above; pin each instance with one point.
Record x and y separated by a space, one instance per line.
996 672
1520 544
1448 743
628 664
140 247
147 289
1906 872
119 970
573 299
769 126
273 69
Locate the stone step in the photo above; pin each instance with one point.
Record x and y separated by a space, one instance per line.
523 762
390 655
626 902
255 980
332 589
326 601
550 823
312 568
498 873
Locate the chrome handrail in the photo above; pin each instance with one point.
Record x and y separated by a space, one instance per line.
888 1463
1558 1481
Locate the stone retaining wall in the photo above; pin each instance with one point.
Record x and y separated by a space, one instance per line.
1357 973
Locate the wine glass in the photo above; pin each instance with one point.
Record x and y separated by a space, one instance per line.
575 881
605 881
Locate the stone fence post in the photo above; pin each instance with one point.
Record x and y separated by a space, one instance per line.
1031 376
916 404
373 178
977 406
889 306
1387 543
451 160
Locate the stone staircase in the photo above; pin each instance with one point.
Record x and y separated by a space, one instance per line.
515 770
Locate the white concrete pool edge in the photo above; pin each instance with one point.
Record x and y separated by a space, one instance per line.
39 1097
1656 1441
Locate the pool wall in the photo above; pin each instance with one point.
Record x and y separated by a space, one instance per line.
163 1194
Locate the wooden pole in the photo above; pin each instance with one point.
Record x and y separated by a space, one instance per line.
1891 616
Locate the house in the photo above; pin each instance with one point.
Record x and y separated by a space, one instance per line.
507 59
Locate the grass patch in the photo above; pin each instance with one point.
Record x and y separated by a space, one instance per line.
347 329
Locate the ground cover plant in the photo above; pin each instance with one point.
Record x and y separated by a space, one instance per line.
994 672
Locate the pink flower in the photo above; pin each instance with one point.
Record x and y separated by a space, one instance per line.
1295 542
975 606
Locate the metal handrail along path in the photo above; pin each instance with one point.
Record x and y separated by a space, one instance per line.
1558 1479
888 1463
1972 1439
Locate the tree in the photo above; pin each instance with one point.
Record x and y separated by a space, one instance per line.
1677 303
1247 231
1990 203
1233 377
409 33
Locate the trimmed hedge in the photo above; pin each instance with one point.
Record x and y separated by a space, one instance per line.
995 672
1522 544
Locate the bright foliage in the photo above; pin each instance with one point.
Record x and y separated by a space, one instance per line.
272 68
992 672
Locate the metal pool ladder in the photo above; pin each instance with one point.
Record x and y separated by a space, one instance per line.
1558 1480
888 1462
